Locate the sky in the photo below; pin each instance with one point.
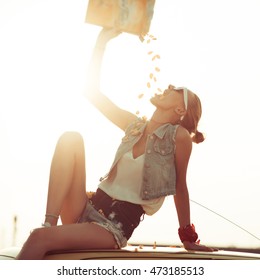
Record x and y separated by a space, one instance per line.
211 47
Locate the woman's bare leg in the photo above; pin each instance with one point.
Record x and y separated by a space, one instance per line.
73 236
66 197
66 193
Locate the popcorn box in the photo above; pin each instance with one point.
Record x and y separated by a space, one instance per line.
132 16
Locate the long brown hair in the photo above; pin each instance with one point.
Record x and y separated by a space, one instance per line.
192 117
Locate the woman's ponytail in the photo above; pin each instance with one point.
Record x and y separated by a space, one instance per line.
198 137
192 117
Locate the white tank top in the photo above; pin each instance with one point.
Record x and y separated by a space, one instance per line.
127 184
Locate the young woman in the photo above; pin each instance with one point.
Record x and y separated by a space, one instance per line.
150 163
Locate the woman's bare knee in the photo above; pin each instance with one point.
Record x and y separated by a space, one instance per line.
71 141
71 137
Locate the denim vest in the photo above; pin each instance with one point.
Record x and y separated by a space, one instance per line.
159 174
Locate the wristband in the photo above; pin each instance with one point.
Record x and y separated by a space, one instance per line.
188 233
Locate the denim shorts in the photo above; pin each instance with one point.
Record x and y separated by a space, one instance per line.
118 217
91 215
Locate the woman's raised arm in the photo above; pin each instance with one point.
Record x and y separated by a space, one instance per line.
115 114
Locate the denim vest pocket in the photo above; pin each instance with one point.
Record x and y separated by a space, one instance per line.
163 146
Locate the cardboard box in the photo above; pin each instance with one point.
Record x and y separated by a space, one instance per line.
132 16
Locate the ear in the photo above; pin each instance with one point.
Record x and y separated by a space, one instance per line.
180 111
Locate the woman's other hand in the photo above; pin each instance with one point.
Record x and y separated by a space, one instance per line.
197 247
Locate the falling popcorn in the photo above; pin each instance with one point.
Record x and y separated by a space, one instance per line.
152 37
156 57
125 138
135 132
